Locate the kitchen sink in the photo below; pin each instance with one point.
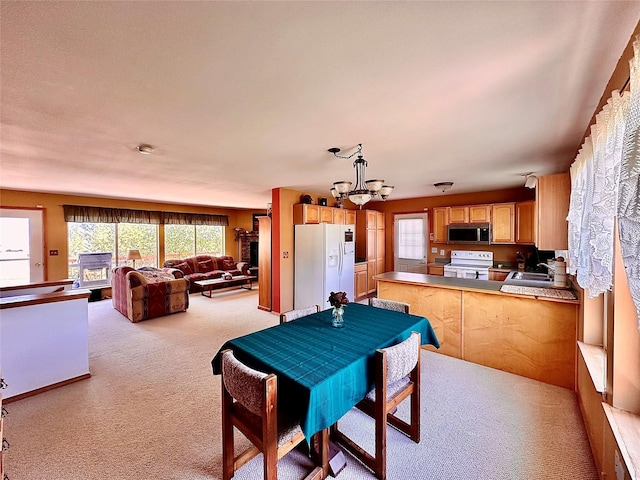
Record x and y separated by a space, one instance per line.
529 279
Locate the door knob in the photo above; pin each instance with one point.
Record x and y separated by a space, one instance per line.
38 264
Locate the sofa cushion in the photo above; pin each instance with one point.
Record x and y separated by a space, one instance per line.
184 267
157 276
228 264
205 266
214 274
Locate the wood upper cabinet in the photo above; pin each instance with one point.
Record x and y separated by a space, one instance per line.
480 213
370 243
440 222
349 217
304 213
503 226
338 216
552 204
458 214
525 223
326 214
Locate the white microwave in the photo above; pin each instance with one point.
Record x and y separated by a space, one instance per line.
469 233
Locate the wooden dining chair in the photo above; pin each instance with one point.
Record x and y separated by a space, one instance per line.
389 305
300 312
397 377
249 403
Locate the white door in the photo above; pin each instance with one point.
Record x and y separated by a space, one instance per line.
21 246
410 243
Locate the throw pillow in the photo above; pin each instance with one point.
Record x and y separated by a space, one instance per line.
228 264
205 266
184 267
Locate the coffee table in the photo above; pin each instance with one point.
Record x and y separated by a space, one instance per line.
215 283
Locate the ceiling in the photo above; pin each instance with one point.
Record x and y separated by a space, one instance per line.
238 98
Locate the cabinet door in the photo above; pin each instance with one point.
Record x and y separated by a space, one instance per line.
497 275
361 281
349 217
503 223
380 246
326 215
525 223
371 218
338 216
440 222
305 213
435 270
552 198
480 213
458 214
379 220
371 244
371 271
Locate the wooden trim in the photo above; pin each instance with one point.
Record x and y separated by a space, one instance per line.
626 431
594 358
37 391
51 283
43 298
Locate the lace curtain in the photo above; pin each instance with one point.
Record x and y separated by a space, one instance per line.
605 182
629 189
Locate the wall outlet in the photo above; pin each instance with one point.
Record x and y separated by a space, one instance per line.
285 254
441 252
434 249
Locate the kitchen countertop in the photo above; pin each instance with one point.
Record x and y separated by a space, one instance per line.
485 286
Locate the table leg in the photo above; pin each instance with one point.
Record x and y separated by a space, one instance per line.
327 455
204 290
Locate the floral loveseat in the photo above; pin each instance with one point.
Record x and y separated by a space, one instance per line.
205 267
148 293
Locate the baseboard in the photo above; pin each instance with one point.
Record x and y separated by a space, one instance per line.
37 391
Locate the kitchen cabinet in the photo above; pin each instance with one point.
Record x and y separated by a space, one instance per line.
440 222
480 213
552 207
458 214
360 281
349 217
326 215
435 269
370 243
304 213
525 223
503 226
264 263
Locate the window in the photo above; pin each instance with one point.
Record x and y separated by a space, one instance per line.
140 237
411 238
182 241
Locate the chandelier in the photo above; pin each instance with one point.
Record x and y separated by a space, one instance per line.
364 190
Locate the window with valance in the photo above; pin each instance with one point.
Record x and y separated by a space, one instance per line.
88 214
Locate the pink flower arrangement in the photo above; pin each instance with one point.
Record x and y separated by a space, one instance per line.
338 299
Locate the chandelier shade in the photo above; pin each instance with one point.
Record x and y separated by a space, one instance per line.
364 190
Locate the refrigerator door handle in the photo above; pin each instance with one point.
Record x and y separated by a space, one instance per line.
341 259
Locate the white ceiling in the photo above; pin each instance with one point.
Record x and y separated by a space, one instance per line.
241 97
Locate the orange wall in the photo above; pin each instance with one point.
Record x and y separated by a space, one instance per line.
55 228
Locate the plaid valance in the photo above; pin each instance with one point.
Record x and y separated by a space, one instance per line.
83 214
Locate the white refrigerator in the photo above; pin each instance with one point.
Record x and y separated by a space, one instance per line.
324 263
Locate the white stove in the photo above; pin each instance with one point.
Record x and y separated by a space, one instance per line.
469 264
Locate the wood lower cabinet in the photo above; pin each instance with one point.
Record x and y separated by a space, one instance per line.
435 269
498 275
528 336
361 281
264 263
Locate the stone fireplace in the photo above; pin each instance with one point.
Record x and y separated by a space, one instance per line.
249 248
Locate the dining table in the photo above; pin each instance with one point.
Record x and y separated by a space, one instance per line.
325 371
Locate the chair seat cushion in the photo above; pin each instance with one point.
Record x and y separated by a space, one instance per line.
392 389
287 428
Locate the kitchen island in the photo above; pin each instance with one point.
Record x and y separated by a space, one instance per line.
532 336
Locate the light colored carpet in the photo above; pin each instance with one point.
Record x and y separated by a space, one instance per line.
151 410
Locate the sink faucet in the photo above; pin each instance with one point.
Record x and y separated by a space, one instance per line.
551 270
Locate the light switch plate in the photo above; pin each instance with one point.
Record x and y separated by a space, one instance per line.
441 252
434 249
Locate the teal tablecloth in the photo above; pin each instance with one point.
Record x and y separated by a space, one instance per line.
324 371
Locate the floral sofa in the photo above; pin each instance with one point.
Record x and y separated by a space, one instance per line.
148 293
204 267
